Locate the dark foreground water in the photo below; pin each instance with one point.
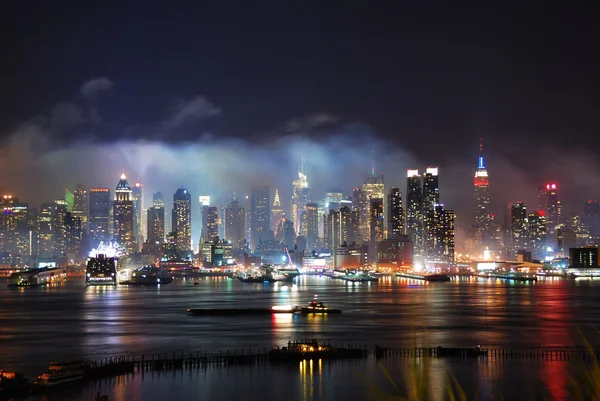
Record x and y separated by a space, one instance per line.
72 321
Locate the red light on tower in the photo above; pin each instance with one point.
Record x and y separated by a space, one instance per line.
541 213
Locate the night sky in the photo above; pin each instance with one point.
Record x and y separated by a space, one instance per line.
418 83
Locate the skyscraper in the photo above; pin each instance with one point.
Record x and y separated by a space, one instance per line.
235 223
592 219
138 202
311 220
46 231
341 226
124 216
441 235
373 188
414 210
395 214
431 189
156 219
482 201
276 210
81 206
301 195
549 202
182 220
260 216
520 225
210 223
537 234
376 223
99 214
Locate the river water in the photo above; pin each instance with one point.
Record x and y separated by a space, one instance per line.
71 321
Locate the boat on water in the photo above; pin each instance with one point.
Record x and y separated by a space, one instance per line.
12 384
148 275
37 277
315 307
354 276
244 311
313 349
101 270
425 277
60 374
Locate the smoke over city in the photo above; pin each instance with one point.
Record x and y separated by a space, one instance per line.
38 163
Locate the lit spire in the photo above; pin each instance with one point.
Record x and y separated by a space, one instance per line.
302 161
481 164
276 201
123 176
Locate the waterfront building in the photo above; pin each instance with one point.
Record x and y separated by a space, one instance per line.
395 252
123 212
414 210
592 219
564 239
395 214
584 258
181 218
99 215
441 235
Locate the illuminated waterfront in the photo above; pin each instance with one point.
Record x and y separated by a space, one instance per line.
73 321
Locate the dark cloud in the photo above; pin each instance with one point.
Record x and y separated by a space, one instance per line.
190 110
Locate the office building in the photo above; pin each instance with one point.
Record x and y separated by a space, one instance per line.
441 235
124 216
310 219
156 220
277 212
414 210
81 206
210 223
549 202
181 220
99 215
301 196
260 216
519 228
537 234
481 191
137 196
395 214
235 224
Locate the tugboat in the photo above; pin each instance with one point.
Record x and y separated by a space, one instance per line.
316 307
312 349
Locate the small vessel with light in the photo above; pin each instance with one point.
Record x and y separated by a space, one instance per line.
313 349
37 277
61 374
278 309
315 307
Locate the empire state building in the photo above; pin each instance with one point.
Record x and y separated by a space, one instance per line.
481 186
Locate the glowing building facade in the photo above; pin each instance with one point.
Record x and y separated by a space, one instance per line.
414 210
481 184
181 218
156 219
395 214
137 194
301 196
123 212
277 212
81 206
549 202
520 225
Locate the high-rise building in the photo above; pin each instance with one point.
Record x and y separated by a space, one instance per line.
158 200
46 231
235 224
431 189
138 202
373 188
520 225
537 234
210 223
123 213
414 210
440 235
311 221
395 214
60 231
341 226
592 219
99 215
289 234
481 193
181 218
276 210
156 219
260 216
376 223
73 234
301 195
549 202
16 231
81 206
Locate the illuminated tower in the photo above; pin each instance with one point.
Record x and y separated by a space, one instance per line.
372 189
537 234
441 235
431 198
414 210
395 215
123 215
138 202
311 221
482 199
181 220
156 219
300 197
550 203
210 223
99 215
520 227
276 211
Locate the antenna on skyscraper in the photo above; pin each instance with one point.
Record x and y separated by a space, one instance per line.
302 160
